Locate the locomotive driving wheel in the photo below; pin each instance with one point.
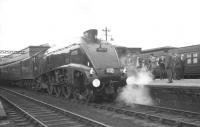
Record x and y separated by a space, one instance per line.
66 91
50 89
57 90
88 95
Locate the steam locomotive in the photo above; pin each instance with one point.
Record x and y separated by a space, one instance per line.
88 70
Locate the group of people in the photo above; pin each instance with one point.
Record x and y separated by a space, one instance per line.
170 65
174 66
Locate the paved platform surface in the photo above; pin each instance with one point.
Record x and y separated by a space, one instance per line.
2 112
182 82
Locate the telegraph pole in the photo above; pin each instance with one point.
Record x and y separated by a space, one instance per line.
106 30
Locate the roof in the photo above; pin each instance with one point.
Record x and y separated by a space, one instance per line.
27 53
22 51
190 46
158 49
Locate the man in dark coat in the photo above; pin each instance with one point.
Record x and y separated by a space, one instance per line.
178 67
153 65
169 66
161 67
183 62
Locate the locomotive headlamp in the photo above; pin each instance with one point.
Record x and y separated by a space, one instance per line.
96 82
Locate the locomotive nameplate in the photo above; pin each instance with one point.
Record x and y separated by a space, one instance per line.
101 49
110 70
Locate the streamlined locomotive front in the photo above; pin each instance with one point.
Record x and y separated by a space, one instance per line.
107 74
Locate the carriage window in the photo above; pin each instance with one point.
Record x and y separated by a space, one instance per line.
194 54
189 55
195 60
189 58
188 61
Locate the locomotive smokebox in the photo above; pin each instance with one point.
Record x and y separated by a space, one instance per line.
91 35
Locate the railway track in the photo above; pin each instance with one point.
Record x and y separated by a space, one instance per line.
38 113
167 116
17 117
155 114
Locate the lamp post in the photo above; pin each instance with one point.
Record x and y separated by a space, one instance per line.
106 30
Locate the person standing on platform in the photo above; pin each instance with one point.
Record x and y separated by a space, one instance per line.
162 67
169 66
153 64
148 64
178 68
183 61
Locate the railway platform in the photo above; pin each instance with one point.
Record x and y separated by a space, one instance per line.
176 83
181 94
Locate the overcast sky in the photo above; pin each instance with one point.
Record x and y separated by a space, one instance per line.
132 23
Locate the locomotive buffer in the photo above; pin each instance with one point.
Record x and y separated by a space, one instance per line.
3 117
2 112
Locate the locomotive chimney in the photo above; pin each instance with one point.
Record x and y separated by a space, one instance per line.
91 35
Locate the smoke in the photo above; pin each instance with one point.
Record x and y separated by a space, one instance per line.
135 90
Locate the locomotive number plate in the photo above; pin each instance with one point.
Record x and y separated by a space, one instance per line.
109 70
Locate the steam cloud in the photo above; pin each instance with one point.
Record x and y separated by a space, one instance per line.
135 90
